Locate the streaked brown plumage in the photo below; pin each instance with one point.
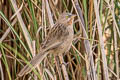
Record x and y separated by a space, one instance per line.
58 40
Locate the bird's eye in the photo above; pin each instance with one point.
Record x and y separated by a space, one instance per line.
67 17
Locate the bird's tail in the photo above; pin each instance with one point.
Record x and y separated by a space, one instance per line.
33 64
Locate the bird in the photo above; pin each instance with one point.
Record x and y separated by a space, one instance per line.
58 41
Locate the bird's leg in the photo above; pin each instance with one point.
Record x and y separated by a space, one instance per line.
58 69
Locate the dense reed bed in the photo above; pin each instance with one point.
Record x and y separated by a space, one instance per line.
94 54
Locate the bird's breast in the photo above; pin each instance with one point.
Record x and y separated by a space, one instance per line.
66 37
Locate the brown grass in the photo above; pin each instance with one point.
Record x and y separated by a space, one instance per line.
94 54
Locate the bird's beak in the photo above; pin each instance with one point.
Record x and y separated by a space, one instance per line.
73 16
71 19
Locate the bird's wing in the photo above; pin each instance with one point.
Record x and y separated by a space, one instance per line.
55 37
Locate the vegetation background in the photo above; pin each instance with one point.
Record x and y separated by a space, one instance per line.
94 54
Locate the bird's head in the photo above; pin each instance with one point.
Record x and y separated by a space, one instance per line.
66 18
